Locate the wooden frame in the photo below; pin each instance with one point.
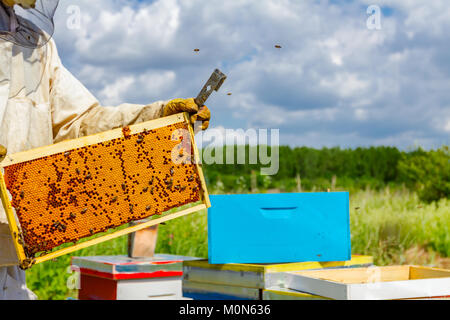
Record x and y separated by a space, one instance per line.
375 283
64 146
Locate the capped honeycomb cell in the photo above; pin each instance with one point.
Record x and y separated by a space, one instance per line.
68 196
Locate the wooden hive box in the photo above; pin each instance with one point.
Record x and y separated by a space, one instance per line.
205 281
58 195
375 283
124 278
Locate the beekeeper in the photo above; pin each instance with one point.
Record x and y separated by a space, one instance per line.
41 103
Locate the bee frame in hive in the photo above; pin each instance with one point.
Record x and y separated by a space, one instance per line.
72 190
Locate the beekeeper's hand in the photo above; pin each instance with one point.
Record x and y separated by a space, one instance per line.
3 152
197 113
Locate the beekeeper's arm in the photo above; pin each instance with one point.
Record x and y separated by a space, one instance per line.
76 112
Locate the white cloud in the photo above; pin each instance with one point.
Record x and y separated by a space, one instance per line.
333 82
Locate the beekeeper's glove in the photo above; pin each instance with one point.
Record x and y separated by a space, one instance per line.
197 113
3 152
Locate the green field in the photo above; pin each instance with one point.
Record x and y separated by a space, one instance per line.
393 226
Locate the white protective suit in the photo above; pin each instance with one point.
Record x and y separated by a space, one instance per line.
41 103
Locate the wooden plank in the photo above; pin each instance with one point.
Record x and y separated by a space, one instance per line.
399 289
386 283
224 277
208 288
257 276
278 293
417 272
319 287
283 267
81 142
197 160
356 260
361 275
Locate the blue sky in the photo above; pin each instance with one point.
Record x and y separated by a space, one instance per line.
334 82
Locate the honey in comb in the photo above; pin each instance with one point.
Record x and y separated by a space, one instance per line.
65 197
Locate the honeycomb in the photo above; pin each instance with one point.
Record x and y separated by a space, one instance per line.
68 196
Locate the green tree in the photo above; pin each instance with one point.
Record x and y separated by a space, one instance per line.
428 172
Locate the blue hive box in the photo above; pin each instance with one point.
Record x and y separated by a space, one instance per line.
279 228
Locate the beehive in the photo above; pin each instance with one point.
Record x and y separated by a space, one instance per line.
73 190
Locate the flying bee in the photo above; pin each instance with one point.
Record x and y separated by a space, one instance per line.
278 46
196 50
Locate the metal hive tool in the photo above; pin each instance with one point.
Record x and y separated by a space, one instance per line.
73 190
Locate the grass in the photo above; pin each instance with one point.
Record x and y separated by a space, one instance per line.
386 224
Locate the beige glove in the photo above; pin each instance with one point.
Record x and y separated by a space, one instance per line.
202 114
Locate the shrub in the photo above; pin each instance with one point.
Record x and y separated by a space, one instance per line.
427 172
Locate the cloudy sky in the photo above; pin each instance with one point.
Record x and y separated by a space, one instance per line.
334 82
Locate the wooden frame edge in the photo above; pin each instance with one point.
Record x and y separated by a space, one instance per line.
13 227
85 141
119 233
197 160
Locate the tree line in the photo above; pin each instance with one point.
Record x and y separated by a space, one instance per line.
360 167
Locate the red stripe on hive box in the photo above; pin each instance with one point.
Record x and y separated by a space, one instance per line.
131 276
94 288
